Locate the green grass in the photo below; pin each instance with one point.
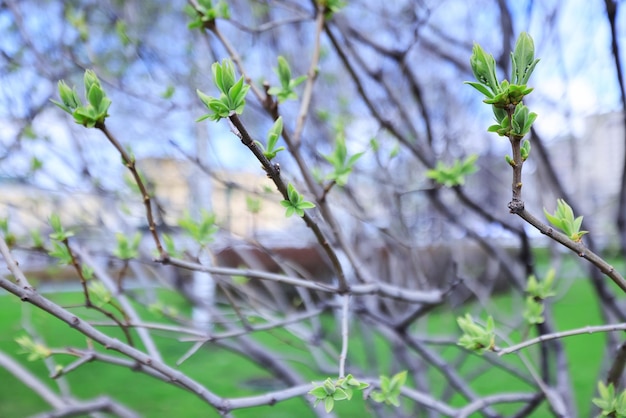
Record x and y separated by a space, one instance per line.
227 374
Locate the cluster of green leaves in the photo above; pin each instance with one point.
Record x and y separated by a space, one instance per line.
331 391
205 12
253 204
516 126
610 405
160 308
35 165
272 138
286 91
389 392
77 19
9 237
563 218
339 159
127 249
58 236
34 350
95 111
453 175
296 203
232 93
202 231
476 337
505 96
331 7
537 292
59 233
170 246
99 294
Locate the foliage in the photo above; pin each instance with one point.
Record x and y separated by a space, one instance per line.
127 249
205 12
232 93
34 350
95 111
253 205
610 405
100 295
538 292
331 391
9 237
512 116
331 6
453 175
390 389
342 164
286 91
59 232
563 218
476 337
203 230
272 138
296 203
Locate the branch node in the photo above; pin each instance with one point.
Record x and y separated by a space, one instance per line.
516 206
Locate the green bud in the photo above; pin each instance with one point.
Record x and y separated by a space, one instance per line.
523 59
68 95
224 75
484 68
525 150
91 79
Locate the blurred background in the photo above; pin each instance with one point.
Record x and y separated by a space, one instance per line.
390 81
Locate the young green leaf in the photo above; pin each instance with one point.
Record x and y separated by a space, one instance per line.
342 165
127 249
59 233
484 68
390 389
272 138
95 111
476 337
523 59
455 174
286 91
232 93
336 390
34 350
61 253
101 295
563 219
202 231
296 203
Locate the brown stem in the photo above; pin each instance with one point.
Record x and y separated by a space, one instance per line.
89 304
274 173
516 146
577 247
129 162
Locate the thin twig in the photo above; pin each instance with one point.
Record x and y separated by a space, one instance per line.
12 265
274 174
89 304
377 288
310 81
129 162
577 247
345 332
562 334
481 403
